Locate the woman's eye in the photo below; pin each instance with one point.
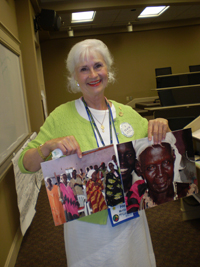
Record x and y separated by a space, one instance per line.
98 65
83 69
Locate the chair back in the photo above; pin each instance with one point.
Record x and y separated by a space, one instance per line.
81 199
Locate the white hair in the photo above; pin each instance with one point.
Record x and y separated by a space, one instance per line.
83 50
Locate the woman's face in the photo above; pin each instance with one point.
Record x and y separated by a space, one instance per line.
74 174
94 176
64 178
111 166
92 75
49 181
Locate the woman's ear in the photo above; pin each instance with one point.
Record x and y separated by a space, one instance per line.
74 75
138 169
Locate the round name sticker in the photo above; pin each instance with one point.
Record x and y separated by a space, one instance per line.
126 129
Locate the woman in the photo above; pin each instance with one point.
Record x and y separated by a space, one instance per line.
55 203
69 199
114 192
94 188
77 183
81 174
85 124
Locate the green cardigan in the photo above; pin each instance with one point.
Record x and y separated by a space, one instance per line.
65 121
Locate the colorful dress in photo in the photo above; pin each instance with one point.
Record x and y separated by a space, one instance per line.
70 202
114 191
56 206
95 196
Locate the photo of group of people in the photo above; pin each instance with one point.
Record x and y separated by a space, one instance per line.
80 187
139 173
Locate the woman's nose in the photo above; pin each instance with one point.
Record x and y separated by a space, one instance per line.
93 73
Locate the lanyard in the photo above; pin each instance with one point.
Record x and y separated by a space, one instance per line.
111 120
94 127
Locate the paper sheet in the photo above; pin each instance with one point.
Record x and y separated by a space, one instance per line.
196 134
27 188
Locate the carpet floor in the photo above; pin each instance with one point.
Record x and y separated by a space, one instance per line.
175 242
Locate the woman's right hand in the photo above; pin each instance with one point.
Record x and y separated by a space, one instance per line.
68 145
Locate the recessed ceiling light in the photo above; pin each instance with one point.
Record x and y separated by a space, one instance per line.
153 11
83 16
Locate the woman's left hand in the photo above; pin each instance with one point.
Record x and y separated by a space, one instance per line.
157 129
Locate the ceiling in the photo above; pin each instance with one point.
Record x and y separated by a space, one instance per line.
112 16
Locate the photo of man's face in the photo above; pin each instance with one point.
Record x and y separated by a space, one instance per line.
126 155
157 167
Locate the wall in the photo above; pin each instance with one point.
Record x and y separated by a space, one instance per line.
136 56
8 16
9 222
17 18
25 18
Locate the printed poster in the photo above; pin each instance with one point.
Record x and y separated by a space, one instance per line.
122 178
155 174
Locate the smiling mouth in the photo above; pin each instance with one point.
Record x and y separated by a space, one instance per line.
95 83
124 170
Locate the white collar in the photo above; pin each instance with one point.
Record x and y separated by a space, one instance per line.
82 112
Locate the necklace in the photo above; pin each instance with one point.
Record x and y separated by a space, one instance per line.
94 127
102 126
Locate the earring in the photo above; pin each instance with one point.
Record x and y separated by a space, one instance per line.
77 84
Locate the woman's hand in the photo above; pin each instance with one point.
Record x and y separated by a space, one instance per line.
157 129
68 145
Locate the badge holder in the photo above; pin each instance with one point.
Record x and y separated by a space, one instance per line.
118 214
